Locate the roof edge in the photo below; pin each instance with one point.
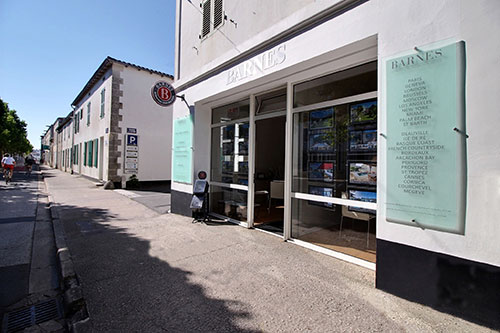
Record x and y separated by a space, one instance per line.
101 70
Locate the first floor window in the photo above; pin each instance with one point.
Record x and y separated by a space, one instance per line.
88 114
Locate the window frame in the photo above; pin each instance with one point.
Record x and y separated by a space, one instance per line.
96 151
88 113
103 101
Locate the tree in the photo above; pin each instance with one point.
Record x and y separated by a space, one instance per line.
13 133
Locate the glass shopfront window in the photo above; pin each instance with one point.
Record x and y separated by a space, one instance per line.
229 160
350 82
229 202
334 174
230 153
230 112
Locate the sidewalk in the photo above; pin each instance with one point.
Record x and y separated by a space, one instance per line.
144 271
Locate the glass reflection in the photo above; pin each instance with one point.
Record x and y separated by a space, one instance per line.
228 202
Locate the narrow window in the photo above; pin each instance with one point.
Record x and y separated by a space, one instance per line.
88 114
205 29
85 154
218 16
103 94
95 152
90 153
212 16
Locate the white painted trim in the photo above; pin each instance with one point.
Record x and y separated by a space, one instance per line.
228 219
337 201
287 216
270 233
233 186
340 101
335 254
270 115
251 164
232 122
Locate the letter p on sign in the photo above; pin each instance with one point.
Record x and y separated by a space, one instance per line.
131 140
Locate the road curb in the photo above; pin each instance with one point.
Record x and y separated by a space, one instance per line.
75 307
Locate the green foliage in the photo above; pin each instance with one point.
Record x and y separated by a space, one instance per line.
13 133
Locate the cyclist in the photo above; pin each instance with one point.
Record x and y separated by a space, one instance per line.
28 163
8 164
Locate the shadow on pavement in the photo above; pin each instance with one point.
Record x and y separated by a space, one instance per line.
126 289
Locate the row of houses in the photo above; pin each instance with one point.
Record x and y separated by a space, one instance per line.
114 106
359 129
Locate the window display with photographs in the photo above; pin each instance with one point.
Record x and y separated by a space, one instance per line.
321 141
324 192
321 171
363 140
321 119
363 112
362 173
335 156
365 196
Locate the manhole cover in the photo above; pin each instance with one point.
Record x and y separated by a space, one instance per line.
20 319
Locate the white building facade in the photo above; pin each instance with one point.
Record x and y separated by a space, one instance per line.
351 128
65 143
113 109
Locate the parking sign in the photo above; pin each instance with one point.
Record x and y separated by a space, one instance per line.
131 140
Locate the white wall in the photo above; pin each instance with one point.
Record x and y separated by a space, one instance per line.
255 22
66 140
474 22
97 127
152 121
395 28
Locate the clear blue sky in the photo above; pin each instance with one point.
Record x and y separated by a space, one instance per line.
49 49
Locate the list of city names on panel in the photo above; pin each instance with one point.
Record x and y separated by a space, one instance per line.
416 148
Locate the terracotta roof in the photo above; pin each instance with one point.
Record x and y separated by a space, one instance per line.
106 64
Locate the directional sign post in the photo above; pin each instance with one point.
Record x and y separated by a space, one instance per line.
131 164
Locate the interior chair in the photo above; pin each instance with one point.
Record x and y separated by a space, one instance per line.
355 215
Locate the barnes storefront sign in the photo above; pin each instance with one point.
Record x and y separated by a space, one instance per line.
258 64
426 140
182 150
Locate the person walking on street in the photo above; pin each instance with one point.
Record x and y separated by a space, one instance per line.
8 164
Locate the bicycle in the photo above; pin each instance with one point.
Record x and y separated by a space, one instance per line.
7 175
29 167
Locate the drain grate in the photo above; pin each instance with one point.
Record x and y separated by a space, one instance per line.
36 314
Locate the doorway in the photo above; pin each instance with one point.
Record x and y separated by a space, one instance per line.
269 176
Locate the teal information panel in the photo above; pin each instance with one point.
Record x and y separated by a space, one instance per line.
182 159
426 140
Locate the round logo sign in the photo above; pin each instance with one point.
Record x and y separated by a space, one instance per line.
163 93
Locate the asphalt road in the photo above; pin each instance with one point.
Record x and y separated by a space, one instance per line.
142 271
28 272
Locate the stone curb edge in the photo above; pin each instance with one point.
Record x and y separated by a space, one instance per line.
75 307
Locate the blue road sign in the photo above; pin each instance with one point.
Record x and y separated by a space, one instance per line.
131 140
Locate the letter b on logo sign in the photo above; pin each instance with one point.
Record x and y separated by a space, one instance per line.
131 140
164 93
